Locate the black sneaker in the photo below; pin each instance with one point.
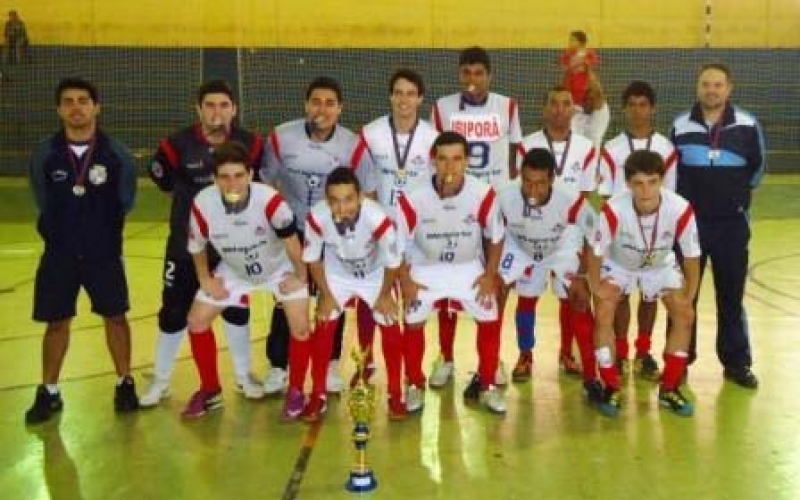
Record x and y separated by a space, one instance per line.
473 391
646 367
610 403
742 376
125 398
676 402
44 406
594 392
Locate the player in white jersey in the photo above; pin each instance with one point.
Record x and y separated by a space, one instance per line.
398 146
576 169
299 156
490 123
639 101
352 252
633 246
254 232
543 242
447 229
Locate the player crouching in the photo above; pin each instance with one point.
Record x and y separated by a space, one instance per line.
254 232
351 251
633 246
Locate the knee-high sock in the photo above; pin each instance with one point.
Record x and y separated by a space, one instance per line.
204 352
392 344
447 332
239 344
674 366
365 325
167 348
525 319
413 351
622 347
643 343
299 358
583 326
321 351
607 367
566 329
488 351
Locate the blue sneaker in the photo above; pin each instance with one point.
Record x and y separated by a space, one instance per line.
611 402
675 401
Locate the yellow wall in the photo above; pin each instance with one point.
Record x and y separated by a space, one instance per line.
410 23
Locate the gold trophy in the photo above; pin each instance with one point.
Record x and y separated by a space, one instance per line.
361 403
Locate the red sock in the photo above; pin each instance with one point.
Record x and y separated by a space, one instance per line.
299 357
204 352
321 351
488 351
392 344
566 330
622 348
674 366
610 376
447 332
366 328
413 351
583 326
642 343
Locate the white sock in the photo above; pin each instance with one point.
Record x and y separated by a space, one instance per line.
166 353
51 388
239 345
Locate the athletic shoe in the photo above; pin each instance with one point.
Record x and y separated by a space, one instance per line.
45 405
442 373
472 392
293 404
593 391
397 409
493 399
159 389
316 407
500 376
125 398
333 381
675 401
742 376
415 398
201 403
610 403
568 364
623 366
250 388
276 381
646 367
369 372
524 368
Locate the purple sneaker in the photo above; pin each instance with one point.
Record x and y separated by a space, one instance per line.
202 401
293 406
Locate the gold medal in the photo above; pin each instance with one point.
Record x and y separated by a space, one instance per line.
648 260
79 190
401 174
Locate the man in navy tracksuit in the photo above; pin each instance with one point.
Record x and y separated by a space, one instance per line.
84 183
722 155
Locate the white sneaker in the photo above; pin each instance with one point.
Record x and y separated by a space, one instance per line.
501 377
334 382
276 381
415 398
251 389
442 373
158 390
493 399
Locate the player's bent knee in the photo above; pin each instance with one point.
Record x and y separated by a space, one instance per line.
238 316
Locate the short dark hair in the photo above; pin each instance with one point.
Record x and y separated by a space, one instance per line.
580 36
540 159
342 175
214 87
231 152
639 88
556 89
475 55
447 138
76 83
410 75
324 82
719 67
643 161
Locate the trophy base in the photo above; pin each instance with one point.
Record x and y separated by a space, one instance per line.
361 481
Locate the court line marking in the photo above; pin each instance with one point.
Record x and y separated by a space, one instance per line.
758 282
301 464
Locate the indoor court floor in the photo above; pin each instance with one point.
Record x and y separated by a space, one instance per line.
740 444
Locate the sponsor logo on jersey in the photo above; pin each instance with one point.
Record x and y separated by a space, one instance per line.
261 231
194 165
482 128
59 175
239 222
470 219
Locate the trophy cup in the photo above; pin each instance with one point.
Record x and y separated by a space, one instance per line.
361 404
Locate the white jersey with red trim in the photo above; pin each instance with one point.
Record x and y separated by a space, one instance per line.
576 172
246 241
300 166
541 231
384 170
611 171
638 243
433 230
368 246
489 128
